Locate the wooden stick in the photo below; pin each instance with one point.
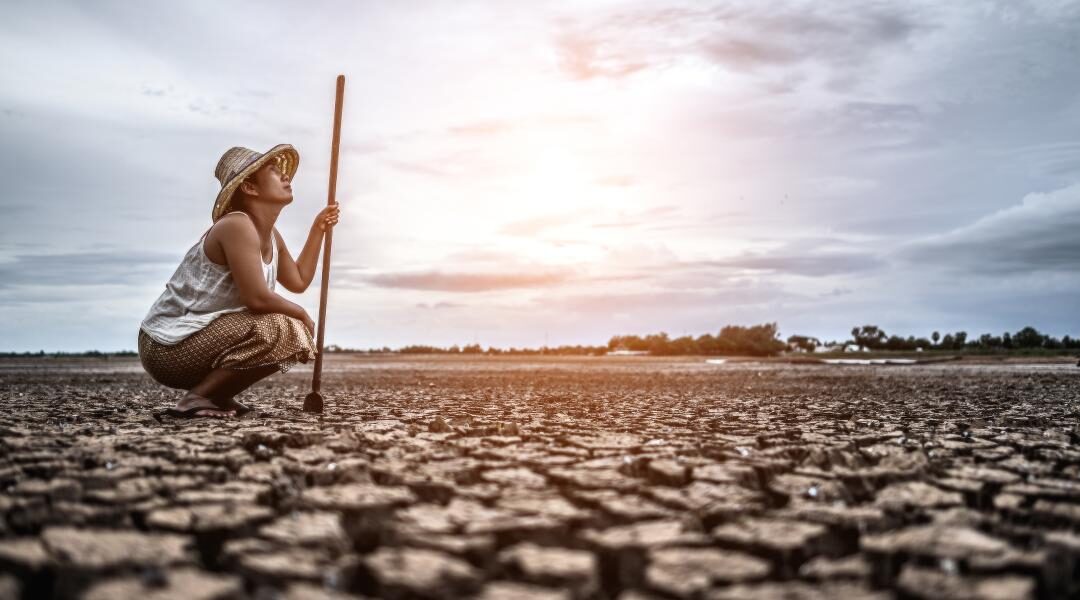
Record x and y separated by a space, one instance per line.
331 199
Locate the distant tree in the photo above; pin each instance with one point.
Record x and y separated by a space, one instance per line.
1028 337
987 340
946 342
870 336
756 340
420 349
803 342
959 339
658 344
935 337
684 346
1006 340
708 344
472 349
628 342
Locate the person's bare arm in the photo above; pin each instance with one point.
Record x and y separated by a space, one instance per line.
240 242
297 275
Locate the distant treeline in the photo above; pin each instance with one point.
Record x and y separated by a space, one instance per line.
1028 338
87 353
756 340
731 340
763 340
477 349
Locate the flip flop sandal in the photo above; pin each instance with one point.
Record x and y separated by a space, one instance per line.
235 405
191 413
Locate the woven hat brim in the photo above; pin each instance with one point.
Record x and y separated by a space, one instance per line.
290 161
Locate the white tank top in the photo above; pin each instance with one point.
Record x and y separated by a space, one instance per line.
197 293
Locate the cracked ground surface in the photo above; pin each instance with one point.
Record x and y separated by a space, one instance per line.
531 478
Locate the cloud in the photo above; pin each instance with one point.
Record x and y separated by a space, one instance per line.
810 264
723 297
584 57
786 32
807 257
879 117
447 281
534 225
656 216
616 180
418 167
156 92
740 37
85 268
1039 234
438 305
365 147
586 217
1053 159
480 128
746 54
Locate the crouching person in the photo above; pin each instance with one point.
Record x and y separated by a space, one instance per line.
219 326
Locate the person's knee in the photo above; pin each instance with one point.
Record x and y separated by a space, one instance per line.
277 327
279 320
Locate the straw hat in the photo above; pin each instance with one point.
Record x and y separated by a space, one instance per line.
238 163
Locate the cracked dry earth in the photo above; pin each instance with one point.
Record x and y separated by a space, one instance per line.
534 479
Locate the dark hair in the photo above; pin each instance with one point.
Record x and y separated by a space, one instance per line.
238 195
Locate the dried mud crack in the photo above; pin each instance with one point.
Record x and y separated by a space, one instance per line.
573 479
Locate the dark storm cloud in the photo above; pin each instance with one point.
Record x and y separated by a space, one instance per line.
1037 235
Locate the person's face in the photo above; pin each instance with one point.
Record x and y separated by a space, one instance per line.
271 185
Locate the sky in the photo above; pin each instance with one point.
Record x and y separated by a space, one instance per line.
530 173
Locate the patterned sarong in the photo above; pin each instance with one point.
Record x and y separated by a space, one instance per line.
240 340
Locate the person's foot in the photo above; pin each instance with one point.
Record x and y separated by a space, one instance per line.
232 404
191 401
